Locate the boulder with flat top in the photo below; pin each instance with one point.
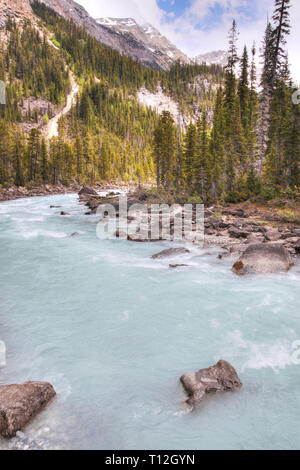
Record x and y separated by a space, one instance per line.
20 403
263 258
218 378
170 252
87 191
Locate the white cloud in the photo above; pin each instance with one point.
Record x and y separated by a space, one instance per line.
184 31
145 11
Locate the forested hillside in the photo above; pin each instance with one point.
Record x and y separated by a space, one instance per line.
107 135
250 148
253 148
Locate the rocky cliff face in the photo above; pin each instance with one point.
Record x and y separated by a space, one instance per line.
156 48
144 43
16 9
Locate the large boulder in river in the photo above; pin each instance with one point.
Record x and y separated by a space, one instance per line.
263 258
87 191
219 378
20 403
170 252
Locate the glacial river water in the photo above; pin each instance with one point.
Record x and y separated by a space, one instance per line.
113 331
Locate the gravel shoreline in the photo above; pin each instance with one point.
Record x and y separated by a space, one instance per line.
15 192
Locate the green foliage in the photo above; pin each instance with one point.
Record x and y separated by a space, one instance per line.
108 136
55 42
165 151
222 163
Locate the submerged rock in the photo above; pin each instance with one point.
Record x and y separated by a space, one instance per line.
20 403
175 266
170 252
263 258
219 378
64 213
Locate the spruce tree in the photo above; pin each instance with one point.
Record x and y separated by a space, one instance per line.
281 20
275 65
243 90
267 92
44 161
165 149
203 159
189 158
217 148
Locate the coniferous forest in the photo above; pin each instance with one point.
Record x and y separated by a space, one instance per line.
253 147
243 143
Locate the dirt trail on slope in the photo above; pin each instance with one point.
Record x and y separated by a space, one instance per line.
52 126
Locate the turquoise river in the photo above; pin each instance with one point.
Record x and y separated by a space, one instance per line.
113 331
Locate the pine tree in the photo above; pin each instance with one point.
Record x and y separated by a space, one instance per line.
44 161
243 90
252 137
293 148
79 156
217 148
275 58
276 166
189 158
33 153
203 159
281 20
18 152
165 149
230 80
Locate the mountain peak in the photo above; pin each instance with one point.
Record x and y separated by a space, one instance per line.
164 53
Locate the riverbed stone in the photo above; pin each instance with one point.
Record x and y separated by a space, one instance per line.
218 378
175 266
297 247
237 233
86 190
273 235
263 258
170 252
20 403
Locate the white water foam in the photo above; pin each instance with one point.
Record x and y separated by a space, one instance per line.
276 355
43 233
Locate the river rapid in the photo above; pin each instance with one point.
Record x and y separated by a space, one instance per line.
113 331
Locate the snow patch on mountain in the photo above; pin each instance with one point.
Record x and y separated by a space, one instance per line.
214 57
107 22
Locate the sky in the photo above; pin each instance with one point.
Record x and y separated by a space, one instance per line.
199 26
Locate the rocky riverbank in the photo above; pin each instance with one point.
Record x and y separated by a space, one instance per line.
18 192
232 227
